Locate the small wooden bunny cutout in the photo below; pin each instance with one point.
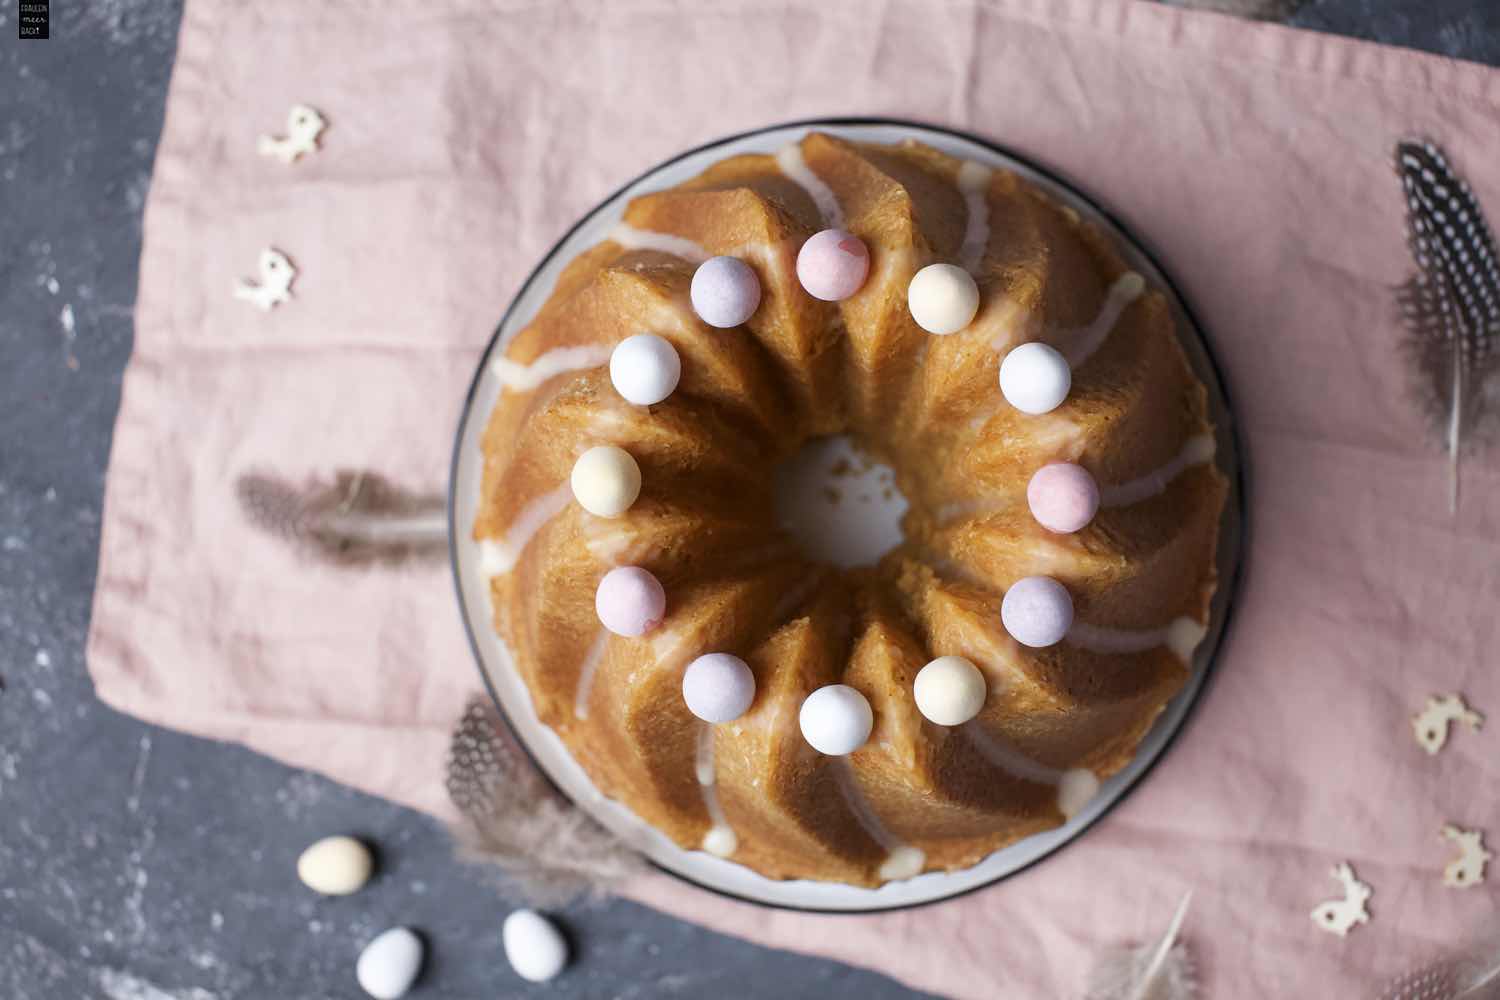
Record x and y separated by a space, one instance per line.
275 285
1338 916
1431 724
1467 870
303 126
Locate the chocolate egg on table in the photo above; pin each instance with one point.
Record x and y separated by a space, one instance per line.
389 964
725 291
718 687
949 691
1037 611
836 720
1063 497
1035 378
606 480
833 265
942 298
630 601
645 369
534 946
335 866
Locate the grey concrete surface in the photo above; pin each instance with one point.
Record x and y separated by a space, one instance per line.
139 864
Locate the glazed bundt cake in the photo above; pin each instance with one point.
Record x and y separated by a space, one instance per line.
867 723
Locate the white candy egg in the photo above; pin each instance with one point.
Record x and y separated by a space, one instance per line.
836 720
718 687
606 480
950 691
942 298
1035 378
645 369
335 866
534 946
389 964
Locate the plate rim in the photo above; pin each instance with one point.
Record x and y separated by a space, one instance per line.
1237 496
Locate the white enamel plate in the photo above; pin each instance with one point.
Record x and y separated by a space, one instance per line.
515 702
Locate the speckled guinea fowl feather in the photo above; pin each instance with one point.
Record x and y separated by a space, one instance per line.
1469 975
512 818
1451 305
359 519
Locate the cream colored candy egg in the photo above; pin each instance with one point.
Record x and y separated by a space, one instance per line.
606 480
950 691
335 866
942 298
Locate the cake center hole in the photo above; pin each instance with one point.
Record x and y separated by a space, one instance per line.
842 507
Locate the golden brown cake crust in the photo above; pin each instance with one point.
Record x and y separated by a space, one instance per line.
916 796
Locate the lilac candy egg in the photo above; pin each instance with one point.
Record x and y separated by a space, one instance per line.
1037 611
833 265
725 291
630 601
718 687
1063 497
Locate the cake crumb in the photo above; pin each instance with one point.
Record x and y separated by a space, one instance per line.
832 495
841 468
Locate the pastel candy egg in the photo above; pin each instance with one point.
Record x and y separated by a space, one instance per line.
389 964
949 691
1063 497
942 298
1037 611
335 866
534 946
606 480
718 687
725 291
630 601
836 720
645 369
832 265
1035 378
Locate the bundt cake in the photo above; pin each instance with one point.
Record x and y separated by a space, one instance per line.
866 723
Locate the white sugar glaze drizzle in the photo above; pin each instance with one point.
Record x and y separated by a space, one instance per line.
974 182
515 377
790 160
1181 637
1079 344
1195 451
901 860
586 673
1075 786
499 557
644 239
720 840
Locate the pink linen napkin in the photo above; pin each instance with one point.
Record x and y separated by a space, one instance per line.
466 135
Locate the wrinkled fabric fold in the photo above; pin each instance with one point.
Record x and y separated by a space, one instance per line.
465 136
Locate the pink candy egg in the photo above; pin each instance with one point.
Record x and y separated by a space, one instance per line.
630 601
725 291
1037 611
833 265
1063 497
